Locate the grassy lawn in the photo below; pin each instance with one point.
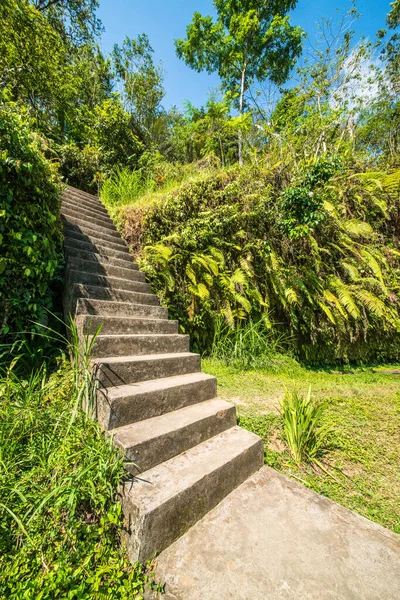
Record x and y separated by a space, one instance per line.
361 465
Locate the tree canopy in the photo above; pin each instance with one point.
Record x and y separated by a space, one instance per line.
251 40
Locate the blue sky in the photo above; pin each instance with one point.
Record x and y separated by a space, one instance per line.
166 20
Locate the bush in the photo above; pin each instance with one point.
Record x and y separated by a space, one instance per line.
106 140
30 226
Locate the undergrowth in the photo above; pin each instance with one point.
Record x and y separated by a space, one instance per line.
251 345
60 520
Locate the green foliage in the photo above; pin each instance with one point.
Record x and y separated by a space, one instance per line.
60 520
249 41
113 144
253 36
220 248
74 20
30 226
27 41
251 345
142 80
124 186
304 433
390 51
302 204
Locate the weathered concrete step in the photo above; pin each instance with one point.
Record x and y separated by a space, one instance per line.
76 224
103 259
149 443
76 205
105 307
104 248
87 215
108 281
89 200
139 344
168 499
137 299
125 404
102 268
81 193
70 214
120 371
73 233
125 325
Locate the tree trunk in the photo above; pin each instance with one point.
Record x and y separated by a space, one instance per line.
241 102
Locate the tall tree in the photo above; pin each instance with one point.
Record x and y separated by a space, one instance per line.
142 80
74 20
250 40
391 50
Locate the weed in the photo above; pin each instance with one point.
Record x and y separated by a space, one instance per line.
125 186
250 345
304 433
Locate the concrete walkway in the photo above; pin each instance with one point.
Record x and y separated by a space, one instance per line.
274 539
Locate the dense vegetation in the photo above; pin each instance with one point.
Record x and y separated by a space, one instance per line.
273 201
60 521
304 236
316 260
30 231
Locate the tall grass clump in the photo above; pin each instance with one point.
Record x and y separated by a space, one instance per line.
302 425
125 186
60 521
250 345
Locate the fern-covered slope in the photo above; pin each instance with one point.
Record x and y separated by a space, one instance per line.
317 257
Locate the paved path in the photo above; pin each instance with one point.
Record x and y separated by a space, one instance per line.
274 539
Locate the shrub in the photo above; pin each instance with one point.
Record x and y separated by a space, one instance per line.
304 433
30 226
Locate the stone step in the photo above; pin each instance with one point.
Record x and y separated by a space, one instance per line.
107 281
104 248
124 325
86 305
86 214
76 224
91 201
139 300
153 441
167 500
120 371
139 344
81 193
95 238
103 259
125 404
76 205
102 268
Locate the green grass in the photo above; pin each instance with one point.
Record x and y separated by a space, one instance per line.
360 466
60 519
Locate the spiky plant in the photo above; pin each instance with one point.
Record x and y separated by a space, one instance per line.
302 425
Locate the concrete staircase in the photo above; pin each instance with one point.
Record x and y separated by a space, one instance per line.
163 412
